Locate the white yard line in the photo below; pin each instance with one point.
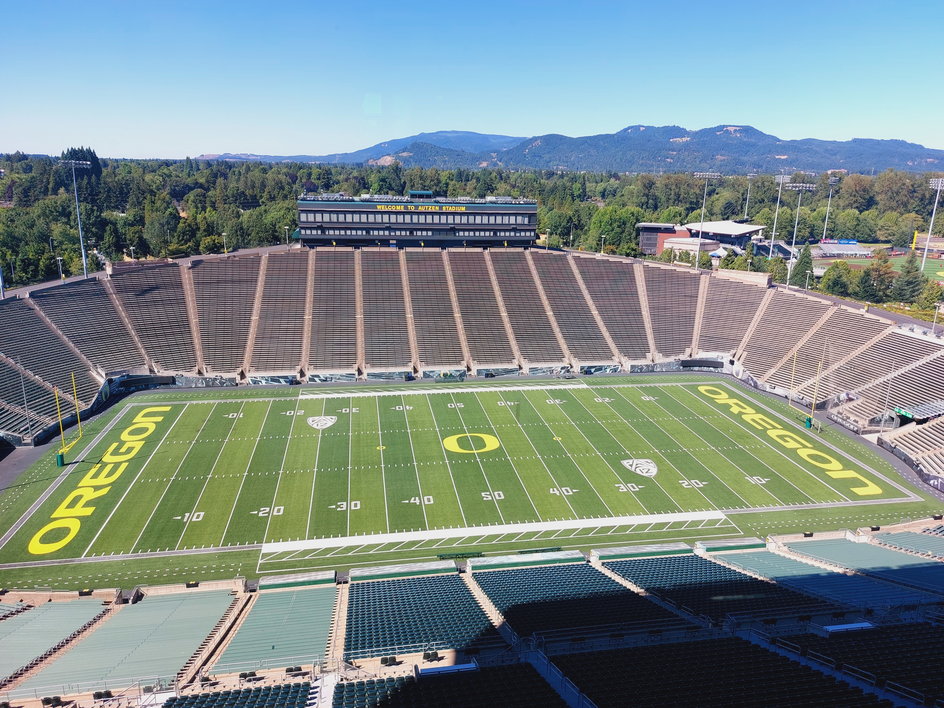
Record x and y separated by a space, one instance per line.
131 486
314 474
488 482
416 467
173 476
206 482
278 482
448 465
242 481
497 529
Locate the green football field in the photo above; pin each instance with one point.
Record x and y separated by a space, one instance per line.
324 477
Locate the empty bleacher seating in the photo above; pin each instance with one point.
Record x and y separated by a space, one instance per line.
673 301
904 656
225 290
386 337
437 336
572 596
569 305
334 316
148 641
730 307
27 340
923 544
876 560
28 637
906 389
719 672
484 331
278 343
713 590
854 590
24 416
786 320
390 617
153 297
85 314
291 626
512 686
533 331
286 695
612 286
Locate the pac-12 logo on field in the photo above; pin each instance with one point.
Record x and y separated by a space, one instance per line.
320 422
647 468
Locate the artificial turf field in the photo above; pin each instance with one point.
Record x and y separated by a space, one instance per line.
320 477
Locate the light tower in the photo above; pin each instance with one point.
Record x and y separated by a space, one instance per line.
750 176
704 201
82 165
833 181
935 183
781 178
799 188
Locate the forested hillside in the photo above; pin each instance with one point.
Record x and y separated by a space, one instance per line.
178 208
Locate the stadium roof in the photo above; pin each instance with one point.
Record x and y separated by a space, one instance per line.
725 228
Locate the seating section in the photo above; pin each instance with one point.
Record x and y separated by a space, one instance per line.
334 312
877 561
786 320
704 588
533 331
892 352
390 617
85 314
569 305
28 341
673 301
278 343
386 334
843 333
149 641
906 656
730 307
914 542
434 321
612 287
922 439
225 291
853 590
287 626
905 390
19 416
286 695
512 686
484 331
937 530
573 596
153 297
8 609
30 637
720 672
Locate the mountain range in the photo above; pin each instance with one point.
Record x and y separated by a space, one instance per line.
729 149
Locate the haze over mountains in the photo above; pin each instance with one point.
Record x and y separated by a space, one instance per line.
728 149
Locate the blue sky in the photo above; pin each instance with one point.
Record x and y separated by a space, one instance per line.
171 79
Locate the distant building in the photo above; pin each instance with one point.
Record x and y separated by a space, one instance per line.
731 233
417 220
825 249
652 236
691 245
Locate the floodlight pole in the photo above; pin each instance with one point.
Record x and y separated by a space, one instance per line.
808 274
704 201
602 241
747 201
2 289
799 188
286 234
936 183
82 164
773 233
833 181
224 243
59 263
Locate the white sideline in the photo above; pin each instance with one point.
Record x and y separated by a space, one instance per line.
494 529
423 391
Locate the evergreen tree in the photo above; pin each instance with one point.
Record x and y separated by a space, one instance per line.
931 295
837 279
802 266
777 269
910 281
727 260
877 279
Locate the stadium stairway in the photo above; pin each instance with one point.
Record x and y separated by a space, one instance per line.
494 616
216 639
338 633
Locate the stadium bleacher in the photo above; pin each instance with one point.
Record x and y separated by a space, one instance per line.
511 686
278 343
434 320
149 641
920 543
712 590
719 672
673 298
572 596
386 334
730 307
481 317
408 615
21 416
290 627
334 312
289 695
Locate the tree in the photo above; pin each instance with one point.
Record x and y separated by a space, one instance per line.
727 260
910 281
878 277
930 296
704 261
777 269
837 280
667 255
802 266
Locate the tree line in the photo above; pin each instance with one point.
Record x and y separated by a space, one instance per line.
172 208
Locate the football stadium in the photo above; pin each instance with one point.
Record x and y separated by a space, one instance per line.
416 460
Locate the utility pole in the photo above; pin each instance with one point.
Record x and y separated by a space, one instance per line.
82 165
704 201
